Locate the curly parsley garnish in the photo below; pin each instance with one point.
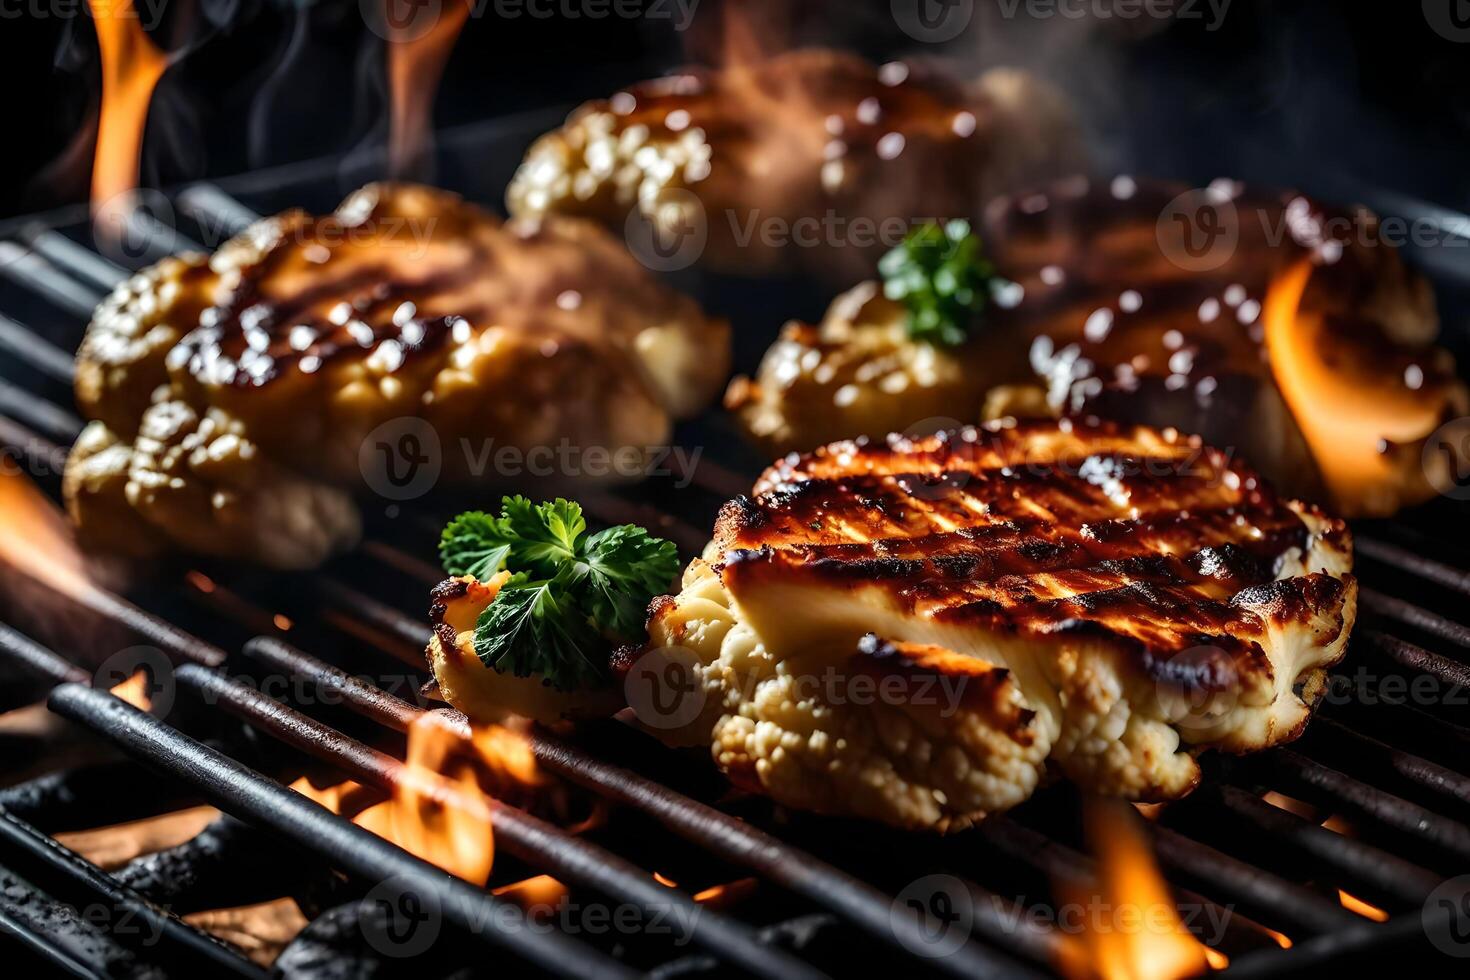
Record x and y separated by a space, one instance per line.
942 278
572 594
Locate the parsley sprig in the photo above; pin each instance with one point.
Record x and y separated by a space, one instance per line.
572 594
942 278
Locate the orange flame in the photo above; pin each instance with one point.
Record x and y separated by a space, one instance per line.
415 65
530 893
134 690
131 67
38 540
1349 394
439 810
1139 935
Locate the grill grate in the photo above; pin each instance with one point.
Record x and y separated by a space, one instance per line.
1396 771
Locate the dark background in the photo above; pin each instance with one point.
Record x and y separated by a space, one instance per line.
1328 95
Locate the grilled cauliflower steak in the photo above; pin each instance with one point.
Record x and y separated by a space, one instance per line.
477 690
1106 315
1108 601
197 482
297 339
808 140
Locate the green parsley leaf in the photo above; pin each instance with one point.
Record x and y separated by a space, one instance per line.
942 278
474 543
572 595
543 536
535 628
627 567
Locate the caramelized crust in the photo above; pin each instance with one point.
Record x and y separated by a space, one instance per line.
262 376
1106 315
1110 600
1041 529
803 160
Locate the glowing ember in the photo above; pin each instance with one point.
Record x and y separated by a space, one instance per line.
664 880
1141 937
415 65
439 809
1355 904
114 845
131 67
731 892
1282 940
261 931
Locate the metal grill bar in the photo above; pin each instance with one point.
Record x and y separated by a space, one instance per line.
33 272
1422 772
1414 616
180 945
1357 797
731 839
242 791
1302 909
1415 658
22 650
1404 560
1386 873
49 359
43 268
562 855
77 259
47 950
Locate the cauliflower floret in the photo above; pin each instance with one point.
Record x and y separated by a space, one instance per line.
477 690
198 482
859 373
121 359
910 734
